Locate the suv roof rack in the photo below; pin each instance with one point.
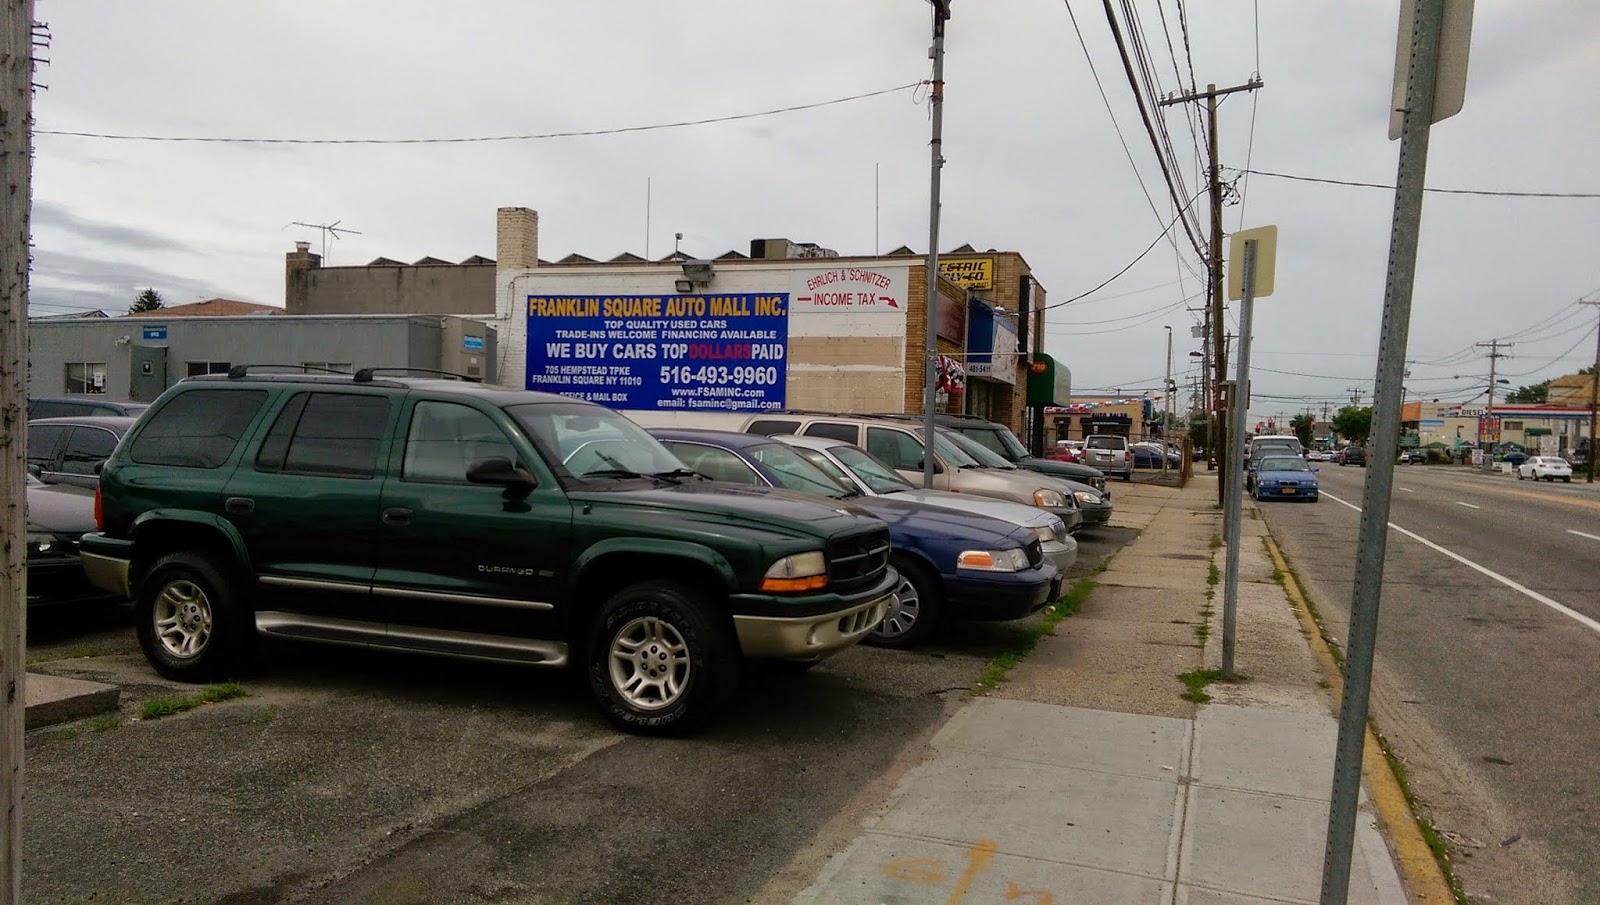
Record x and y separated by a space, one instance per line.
238 371
365 375
918 416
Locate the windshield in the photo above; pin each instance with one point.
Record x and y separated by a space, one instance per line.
1284 463
871 472
793 472
985 456
33 482
592 442
1014 449
1106 443
949 452
827 466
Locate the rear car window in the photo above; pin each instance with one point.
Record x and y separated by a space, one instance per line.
833 430
772 427
197 429
1106 443
42 439
86 448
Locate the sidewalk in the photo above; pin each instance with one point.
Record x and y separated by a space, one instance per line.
1088 778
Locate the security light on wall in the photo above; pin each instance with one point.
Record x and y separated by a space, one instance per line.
698 271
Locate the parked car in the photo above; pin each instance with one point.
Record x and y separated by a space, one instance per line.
459 519
1285 477
1353 455
1066 451
1094 505
80 406
1545 468
1109 453
856 469
1316 455
1414 457
998 439
951 564
1149 455
70 450
56 518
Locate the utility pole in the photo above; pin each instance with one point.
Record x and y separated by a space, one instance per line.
1594 395
1220 359
1355 395
930 368
1166 405
16 155
1494 346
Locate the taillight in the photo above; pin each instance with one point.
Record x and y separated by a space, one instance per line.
99 511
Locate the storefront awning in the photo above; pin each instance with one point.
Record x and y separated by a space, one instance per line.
1049 381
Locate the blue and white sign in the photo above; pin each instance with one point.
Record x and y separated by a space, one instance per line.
472 343
726 352
155 332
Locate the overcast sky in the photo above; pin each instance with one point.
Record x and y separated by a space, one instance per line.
1033 163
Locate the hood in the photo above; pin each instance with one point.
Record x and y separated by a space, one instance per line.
1015 513
925 522
60 509
783 511
1058 469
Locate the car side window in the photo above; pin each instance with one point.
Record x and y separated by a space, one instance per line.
833 430
197 429
54 410
895 448
330 434
42 440
989 439
446 437
87 447
771 427
716 464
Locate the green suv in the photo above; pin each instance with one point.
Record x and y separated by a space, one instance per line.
459 519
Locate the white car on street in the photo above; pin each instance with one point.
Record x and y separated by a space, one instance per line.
1545 468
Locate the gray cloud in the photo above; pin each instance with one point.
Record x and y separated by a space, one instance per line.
50 216
62 281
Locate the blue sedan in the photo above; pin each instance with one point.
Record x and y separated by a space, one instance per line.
951 563
1285 478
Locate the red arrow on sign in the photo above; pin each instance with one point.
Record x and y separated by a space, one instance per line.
890 300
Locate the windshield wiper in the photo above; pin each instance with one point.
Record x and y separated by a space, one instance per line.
677 473
617 473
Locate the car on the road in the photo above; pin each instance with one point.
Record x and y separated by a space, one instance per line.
1545 468
856 469
1316 455
1093 504
454 518
998 439
1109 453
56 517
1279 477
952 565
80 406
1414 457
1065 451
1352 455
70 450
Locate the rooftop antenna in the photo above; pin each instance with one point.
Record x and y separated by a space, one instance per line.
327 229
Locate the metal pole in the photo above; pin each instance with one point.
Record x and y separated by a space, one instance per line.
1230 588
1166 405
16 118
1374 536
1594 396
941 12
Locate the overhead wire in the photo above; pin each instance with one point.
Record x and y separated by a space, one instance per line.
1255 96
1129 266
1171 306
1378 185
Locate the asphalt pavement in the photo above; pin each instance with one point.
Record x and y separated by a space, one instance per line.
1488 662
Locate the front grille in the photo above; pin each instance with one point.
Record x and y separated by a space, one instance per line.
858 560
1035 553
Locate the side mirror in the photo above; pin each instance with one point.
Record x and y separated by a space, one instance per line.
1315 470
502 472
37 471
937 468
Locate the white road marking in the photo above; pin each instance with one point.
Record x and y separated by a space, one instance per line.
1582 534
1408 490
1564 610
1468 505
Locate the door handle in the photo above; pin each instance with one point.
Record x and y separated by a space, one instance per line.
238 505
397 516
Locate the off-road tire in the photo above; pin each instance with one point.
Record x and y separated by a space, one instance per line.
710 655
184 591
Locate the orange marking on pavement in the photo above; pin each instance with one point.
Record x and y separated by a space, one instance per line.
979 858
917 870
1043 897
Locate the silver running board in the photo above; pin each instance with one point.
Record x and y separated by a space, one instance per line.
413 639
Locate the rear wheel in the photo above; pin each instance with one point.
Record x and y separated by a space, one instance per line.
190 620
1521 476
660 662
914 613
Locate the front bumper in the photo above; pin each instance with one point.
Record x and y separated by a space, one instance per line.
811 635
1096 515
1001 596
1062 554
1289 492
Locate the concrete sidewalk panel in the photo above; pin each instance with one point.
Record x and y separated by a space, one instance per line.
1121 603
1084 817
1260 750
897 870
57 699
1068 737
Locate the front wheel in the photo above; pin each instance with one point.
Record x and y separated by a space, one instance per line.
190 621
660 662
1567 480
914 613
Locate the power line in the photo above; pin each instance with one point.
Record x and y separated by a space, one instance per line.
1130 264
483 138
1161 310
1378 185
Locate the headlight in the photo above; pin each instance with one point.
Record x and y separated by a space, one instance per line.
1044 534
1092 499
1049 498
993 560
42 544
800 572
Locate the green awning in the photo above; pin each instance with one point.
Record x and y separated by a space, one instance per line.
1049 382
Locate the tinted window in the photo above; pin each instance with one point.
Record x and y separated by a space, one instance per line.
592 442
446 437
1107 443
197 429
828 467
87 447
768 428
894 448
988 439
42 439
716 464
873 473
58 409
833 430
335 434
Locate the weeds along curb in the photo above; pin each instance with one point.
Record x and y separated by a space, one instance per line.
1000 667
1424 858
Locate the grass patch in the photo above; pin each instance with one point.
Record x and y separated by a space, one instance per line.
1213 574
1195 683
1276 575
1216 541
59 735
1000 667
155 708
105 722
1430 834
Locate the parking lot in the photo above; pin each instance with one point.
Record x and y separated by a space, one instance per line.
346 775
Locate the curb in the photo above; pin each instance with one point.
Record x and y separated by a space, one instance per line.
1417 865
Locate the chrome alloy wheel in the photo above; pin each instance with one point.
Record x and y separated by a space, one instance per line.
903 611
649 663
182 616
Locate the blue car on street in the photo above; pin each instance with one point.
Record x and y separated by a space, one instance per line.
952 564
1285 478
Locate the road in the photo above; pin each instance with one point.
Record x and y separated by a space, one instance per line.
1489 693
353 776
